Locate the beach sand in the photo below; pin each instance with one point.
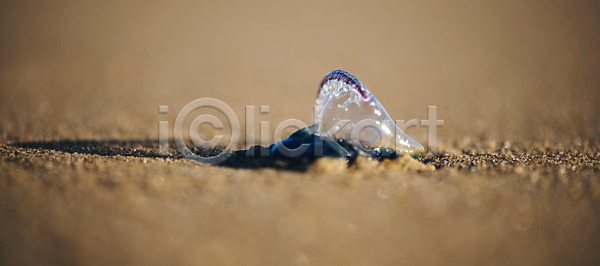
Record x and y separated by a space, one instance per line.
514 177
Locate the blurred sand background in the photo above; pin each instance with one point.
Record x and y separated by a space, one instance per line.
511 77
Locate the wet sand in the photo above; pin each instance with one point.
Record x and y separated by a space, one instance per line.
515 178
121 202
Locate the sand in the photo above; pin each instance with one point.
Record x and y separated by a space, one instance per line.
514 178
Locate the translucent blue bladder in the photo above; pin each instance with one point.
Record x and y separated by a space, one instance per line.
349 122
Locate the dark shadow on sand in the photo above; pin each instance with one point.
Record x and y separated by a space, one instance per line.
150 149
135 148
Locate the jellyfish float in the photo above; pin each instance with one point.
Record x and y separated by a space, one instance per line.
349 122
